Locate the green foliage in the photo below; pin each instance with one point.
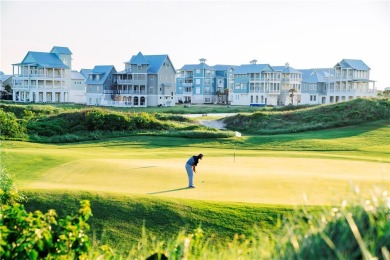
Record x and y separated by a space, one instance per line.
11 127
353 112
360 230
40 235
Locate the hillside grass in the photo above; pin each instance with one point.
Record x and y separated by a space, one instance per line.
342 114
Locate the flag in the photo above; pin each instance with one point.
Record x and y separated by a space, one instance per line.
238 134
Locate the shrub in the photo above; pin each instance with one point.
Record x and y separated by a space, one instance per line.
10 126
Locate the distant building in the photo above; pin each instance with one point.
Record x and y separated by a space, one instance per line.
43 76
148 80
77 90
5 86
99 84
202 84
347 80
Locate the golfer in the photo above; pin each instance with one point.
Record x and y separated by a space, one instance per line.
191 168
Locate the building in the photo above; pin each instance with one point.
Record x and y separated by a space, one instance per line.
347 80
78 88
202 84
99 84
5 86
43 76
147 80
290 85
255 84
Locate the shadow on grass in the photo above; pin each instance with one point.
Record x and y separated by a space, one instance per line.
167 191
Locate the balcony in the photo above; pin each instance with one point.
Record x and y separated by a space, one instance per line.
124 81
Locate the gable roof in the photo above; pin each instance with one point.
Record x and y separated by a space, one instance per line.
316 75
61 50
353 64
156 62
103 71
252 68
139 59
4 78
285 69
43 59
85 72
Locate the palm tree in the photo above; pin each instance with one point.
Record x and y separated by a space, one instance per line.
292 91
227 95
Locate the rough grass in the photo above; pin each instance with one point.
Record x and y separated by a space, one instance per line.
118 219
353 112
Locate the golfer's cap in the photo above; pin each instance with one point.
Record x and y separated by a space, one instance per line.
200 155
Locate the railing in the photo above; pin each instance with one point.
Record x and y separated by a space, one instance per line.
124 81
124 92
122 103
39 76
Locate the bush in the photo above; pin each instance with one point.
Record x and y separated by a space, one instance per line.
10 126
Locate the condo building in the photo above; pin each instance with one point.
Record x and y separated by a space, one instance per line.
43 76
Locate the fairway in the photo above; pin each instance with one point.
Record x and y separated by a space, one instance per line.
258 178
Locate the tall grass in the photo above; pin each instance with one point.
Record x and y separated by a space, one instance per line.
353 112
358 228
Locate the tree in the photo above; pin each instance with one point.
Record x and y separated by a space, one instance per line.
292 92
227 95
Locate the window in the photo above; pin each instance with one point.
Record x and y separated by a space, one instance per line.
197 81
198 71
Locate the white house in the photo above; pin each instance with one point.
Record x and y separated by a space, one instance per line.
77 90
43 76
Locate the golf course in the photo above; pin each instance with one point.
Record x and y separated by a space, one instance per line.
241 180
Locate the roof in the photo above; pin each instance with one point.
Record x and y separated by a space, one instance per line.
316 75
222 67
139 59
103 71
156 61
61 50
285 69
252 68
200 66
74 74
4 78
85 72
43 59
353 64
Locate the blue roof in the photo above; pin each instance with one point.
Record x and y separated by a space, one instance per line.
252 68
354 64
43 59
156 61
139 59
200 66
4 78
85 72
61 50
103 71
222 67
316 75
285 69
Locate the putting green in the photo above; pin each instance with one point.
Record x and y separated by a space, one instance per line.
257 179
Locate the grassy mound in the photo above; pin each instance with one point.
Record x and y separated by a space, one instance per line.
353 112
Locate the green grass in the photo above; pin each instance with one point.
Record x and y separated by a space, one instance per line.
353 112
118 219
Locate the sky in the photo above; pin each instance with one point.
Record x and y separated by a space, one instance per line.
306 34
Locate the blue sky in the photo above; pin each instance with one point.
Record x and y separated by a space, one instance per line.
305 34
